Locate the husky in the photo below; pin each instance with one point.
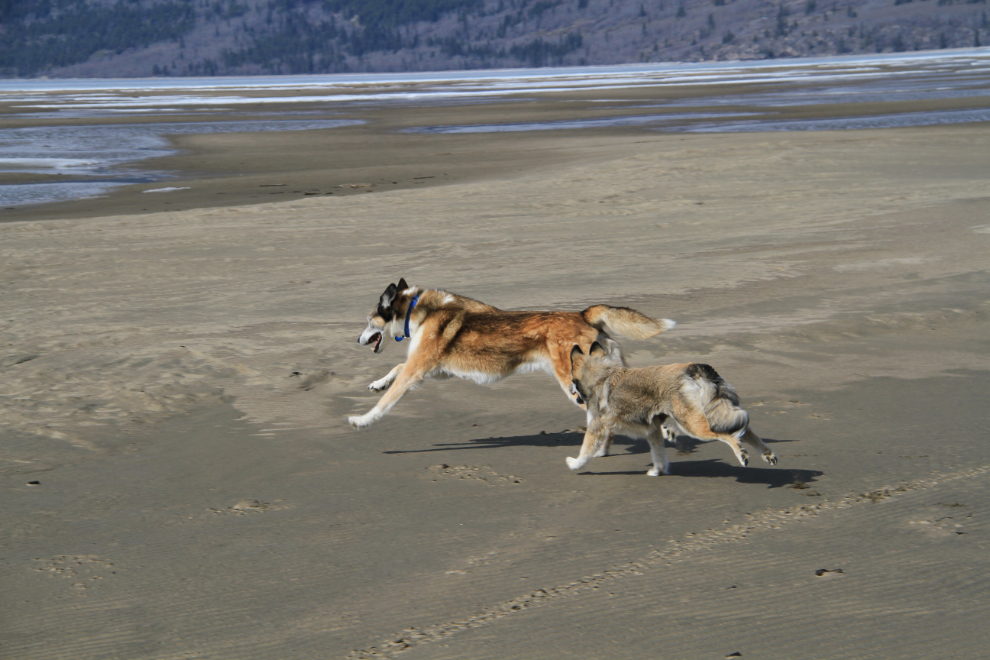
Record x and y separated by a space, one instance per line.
450 335
656 403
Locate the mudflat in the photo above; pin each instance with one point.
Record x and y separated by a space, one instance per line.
179 480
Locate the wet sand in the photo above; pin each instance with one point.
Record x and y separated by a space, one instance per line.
176 383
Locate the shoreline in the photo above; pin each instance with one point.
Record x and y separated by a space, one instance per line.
474 74
329 161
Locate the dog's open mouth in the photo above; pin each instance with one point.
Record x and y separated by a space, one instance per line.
377 338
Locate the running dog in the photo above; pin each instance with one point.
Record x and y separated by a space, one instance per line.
451 335
657 403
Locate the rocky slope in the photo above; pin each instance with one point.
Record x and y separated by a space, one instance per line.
125 38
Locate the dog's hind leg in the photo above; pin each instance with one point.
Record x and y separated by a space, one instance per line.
741 454
754 441
697 426
669 433
656 437
383 384
593 438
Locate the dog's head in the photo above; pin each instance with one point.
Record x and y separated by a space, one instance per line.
588 370
388 317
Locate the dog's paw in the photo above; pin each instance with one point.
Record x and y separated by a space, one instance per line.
574 463
770 458
744 459
655 472
359 421
380 385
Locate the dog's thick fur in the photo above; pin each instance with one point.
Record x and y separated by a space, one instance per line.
451 335
657 403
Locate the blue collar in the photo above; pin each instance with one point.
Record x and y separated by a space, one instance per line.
412 306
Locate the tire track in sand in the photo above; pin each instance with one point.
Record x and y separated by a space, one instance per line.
678 550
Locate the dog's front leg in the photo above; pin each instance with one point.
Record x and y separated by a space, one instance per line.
594 437
657 436
410 375
383 384
604 446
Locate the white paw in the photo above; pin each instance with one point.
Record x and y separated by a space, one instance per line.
359 421
655 472
380 385
744 459
574 463
601 452
770 458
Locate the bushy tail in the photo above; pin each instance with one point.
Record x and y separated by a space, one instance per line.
718 399
625 322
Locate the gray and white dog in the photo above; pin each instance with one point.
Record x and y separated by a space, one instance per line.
657 403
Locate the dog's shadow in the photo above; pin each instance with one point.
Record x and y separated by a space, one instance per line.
773 477
562 439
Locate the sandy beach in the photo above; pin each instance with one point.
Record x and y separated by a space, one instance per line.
178 479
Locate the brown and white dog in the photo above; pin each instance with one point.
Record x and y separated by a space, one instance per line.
450 335
657 403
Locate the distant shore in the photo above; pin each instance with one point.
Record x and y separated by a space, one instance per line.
213 168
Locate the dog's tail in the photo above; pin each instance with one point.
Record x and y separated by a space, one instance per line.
625 322
716 398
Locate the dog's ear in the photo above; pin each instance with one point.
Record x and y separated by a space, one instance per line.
597 350
614 350
577 358
402 286
387 297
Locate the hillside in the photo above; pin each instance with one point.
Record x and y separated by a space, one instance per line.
130 38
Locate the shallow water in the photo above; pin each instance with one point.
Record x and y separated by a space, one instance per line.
598 122
857 66
759 92
102 155
94 158
898 120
